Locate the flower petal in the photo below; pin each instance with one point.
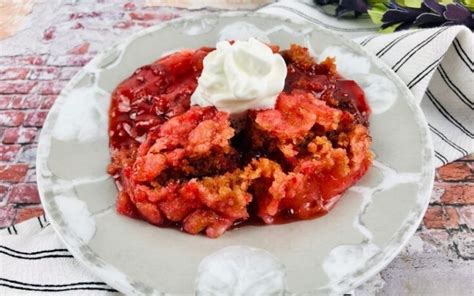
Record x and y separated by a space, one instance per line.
456 12
434 6
425 20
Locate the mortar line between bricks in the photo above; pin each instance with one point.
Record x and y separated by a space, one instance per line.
25 205
461 183
464 181
460 205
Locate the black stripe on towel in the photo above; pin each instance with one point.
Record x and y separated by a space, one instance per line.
393 43
56 290
37 257
462 54
54 285
423 73
40 223
367 40
34 253
454 88
448 141
439 156
446 114
415 49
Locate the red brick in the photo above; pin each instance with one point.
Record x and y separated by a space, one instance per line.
48 102
50 87
456 171
4 102
142 16
19 135
44 73
13 73
80 49
16 87
16 102
35 60
69 60
13 172
26 213
7 215
3 191
458 194
36 118
9 152
10 135
11 118
31 102
21 60
467 216
441 218
24 194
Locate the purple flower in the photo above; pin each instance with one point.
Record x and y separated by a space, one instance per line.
429 14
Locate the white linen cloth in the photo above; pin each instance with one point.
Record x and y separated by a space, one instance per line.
436 64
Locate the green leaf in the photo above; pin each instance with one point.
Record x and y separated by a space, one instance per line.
376 13
445 2
377 2
469 4
410 3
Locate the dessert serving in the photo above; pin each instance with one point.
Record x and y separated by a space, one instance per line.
216 138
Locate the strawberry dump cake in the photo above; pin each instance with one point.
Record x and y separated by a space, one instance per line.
210 139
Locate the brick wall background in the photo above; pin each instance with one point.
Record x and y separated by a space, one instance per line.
56 40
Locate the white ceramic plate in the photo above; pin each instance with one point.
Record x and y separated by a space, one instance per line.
335 253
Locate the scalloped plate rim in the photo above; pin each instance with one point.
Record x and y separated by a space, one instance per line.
106 271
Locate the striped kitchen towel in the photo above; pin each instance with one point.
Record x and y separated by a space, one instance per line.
436 64
34 261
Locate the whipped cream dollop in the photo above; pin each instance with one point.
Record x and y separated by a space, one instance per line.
240 76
